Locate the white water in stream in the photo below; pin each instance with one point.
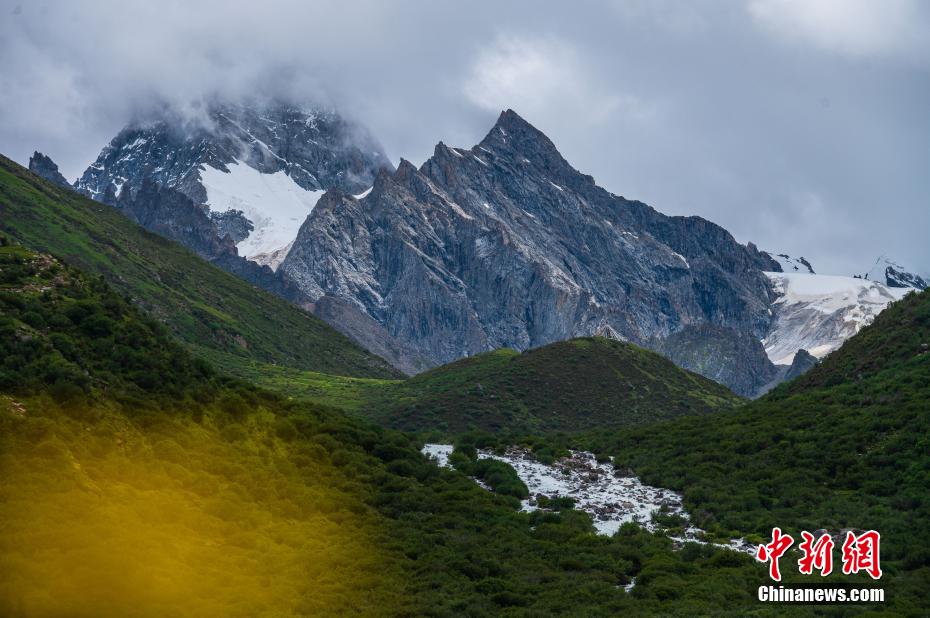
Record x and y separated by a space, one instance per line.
609 496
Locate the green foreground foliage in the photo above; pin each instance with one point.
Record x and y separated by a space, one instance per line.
847 445
153 485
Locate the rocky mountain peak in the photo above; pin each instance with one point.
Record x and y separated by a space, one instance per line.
515 138
405 172
511 124
42 165
506 245
784 263
316 148
893 274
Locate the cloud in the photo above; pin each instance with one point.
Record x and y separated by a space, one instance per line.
681 104
887 28
540 77
544 78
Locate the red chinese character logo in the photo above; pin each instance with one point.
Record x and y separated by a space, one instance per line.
817 555
860 553
773 551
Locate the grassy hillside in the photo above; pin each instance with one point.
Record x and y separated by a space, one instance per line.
138 481
845 446
570 386
204 306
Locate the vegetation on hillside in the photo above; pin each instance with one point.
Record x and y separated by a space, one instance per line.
187 493
847 445
570 386
235 500
204 306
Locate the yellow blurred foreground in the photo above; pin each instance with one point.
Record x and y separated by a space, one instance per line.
103 516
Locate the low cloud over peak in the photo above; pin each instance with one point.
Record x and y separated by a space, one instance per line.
798 125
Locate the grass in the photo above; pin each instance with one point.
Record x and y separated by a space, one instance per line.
353 395
571 386
201 304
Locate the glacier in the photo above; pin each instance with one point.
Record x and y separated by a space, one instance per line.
274 203
818 313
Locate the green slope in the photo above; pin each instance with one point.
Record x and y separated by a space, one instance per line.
203 305
570 386
847 445
137 481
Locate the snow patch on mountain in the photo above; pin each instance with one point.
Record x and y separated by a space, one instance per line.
891 273
274 258
274 203
818 313
791 264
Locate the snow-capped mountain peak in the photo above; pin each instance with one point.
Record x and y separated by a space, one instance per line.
791 264
258 168
887 271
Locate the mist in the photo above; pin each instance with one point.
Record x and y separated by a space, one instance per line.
800 125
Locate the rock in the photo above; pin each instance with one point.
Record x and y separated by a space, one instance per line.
723 354
317 148
506 245
897 278
803 362
43 166
232 223
174 215
894 275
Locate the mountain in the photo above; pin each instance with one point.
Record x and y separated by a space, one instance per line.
256 168
724 355
43 166
843 446
788 264
507 245
213 312
818 313
571 386
892 274
139 481
236 184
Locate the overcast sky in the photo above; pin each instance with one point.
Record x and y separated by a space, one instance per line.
801 125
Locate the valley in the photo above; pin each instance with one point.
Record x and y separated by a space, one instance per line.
588 474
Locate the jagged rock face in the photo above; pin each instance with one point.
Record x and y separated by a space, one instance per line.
155 172
507 245
887 271
172 214
43 166
359 326
803 362
788 264
896 278
232 223
316 149
722 354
